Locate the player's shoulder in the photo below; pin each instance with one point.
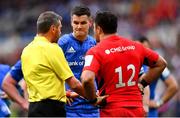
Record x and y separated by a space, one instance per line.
17 64
64 39
4 68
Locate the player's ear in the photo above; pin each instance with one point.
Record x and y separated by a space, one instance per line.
100 29
90 22
53 28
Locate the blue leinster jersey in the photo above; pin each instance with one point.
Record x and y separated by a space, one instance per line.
74 52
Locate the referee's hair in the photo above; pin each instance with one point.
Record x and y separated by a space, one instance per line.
107 21
46 19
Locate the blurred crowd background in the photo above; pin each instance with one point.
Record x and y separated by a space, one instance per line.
159 20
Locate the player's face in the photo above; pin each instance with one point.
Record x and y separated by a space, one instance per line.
80 25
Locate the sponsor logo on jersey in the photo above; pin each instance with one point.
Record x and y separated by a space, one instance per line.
71 50
81 57
75 63
119 49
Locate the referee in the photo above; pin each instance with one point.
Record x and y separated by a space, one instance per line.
45 69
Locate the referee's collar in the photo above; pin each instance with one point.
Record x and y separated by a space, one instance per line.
40 38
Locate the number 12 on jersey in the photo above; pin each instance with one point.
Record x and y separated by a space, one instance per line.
130 82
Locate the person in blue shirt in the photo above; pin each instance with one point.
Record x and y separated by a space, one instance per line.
4 103
169 81
74 46
11 87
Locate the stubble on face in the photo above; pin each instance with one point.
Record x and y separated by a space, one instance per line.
57 32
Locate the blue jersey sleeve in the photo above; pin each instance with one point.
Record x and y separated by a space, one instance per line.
4 69
16 71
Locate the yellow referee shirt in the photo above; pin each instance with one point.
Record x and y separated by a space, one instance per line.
45 70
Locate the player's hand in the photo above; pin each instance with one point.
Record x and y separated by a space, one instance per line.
70 96
154 104
3 95
101 101
25 105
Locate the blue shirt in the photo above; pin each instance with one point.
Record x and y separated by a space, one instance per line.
74 52
4 110
16 71
3 71
152 111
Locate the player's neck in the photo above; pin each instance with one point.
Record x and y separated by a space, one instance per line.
105 36
80 38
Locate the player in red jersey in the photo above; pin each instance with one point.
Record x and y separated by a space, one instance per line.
116 63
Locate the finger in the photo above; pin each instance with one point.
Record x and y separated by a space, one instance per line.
71 100
68 101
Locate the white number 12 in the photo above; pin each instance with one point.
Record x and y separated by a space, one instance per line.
130 82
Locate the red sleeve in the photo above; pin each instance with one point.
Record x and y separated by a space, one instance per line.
151 57
91 61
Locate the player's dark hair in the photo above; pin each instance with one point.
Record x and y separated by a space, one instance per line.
107 21
142 39
46 19
81 10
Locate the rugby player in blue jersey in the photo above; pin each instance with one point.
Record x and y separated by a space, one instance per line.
4 103
74 46
168 79
10 86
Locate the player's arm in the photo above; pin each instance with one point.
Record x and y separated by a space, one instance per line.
75 85
88 84
9 86
171 89
146 97
87 78
154 71
24 88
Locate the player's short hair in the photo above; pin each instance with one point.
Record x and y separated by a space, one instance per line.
107 21
46 19
81 10
142 39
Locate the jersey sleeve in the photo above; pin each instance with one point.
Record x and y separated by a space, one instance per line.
4 69
91 61
16 71
165 74
151 57
59 63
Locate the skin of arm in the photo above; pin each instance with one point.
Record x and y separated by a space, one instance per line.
24 88
88 84
154 71
87 79
171 89
75 85
146 97
9 86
